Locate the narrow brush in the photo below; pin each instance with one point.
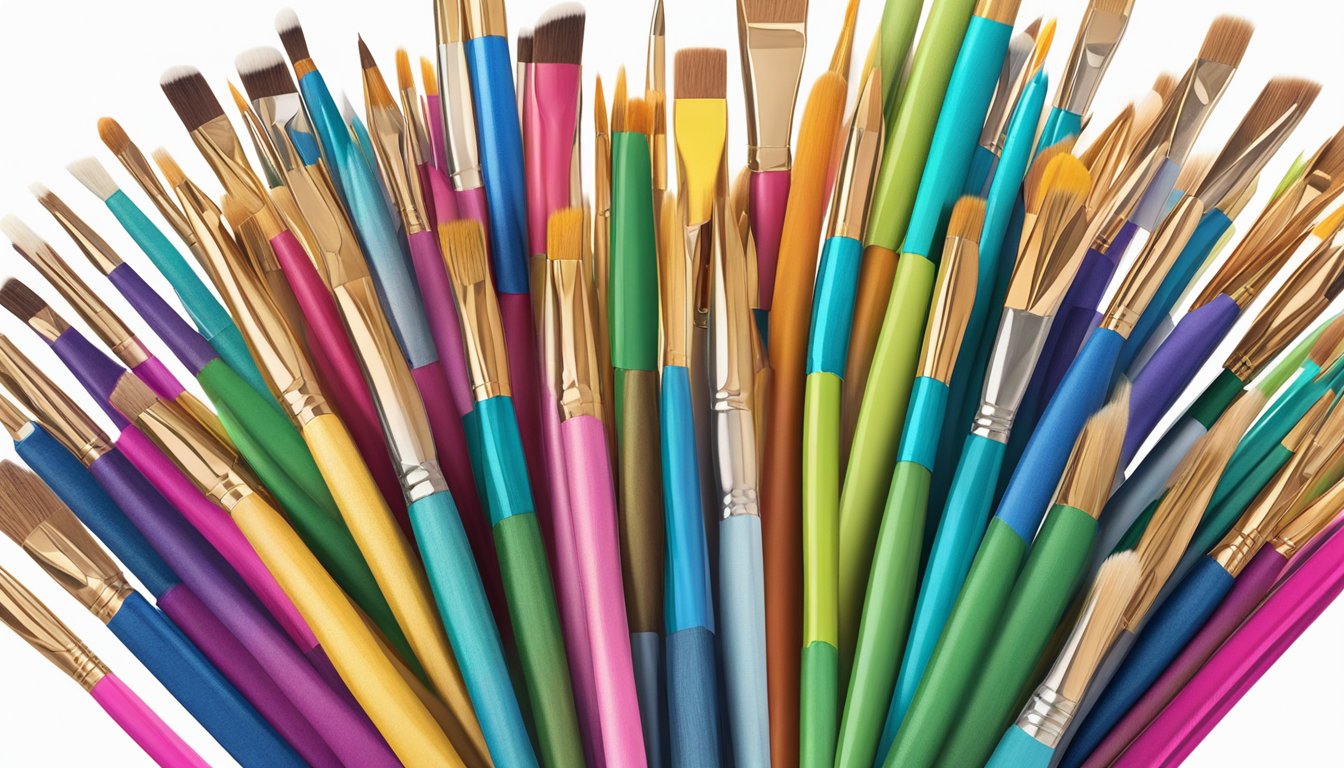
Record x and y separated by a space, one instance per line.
601 249
1099 36
1013 78
459 113
655 92
432 111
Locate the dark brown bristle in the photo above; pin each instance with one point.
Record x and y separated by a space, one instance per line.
558 37
291 35
618 102
131 396
638 117
774 11
171 171
190 96
1278 97
701 73
429 80
967 219
525 45
1164 85
1226 40
375 86
405 78
113 135
25 503
366 60
1034 28
20 300
564 235
264 73
1331 156
466 251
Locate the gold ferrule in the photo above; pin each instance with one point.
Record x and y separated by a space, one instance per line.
578 382
94 247
772 65
1013 77
857 176
1295 532
405 422
657 142
949 311
49 403
14 421
393 148
417 136
1260 519
136 164
218 473
1048 258
219 145
1191 103
449 25
486 359
1096 43
268 154
70 556
1148 271
459 116
675 273
485 18
27 617
732 374
279 117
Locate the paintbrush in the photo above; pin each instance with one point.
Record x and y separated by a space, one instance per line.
886 614
459 113
509 499
601 250
34 519
771 40
431 111
877 429
781 469
1099 36
551 113
1014 75
828 342
32 621
523 75
395 710
655 92
1049 579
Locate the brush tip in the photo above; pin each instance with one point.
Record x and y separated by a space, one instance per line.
131 396
39 190
168 167
405 76
465 250
558 36
524 45
967 219
91 173
429 79
113 135
564 235
20 300
774 11
291 35
19 233
190 96
638 117
1226 40
701 73
25 503
366 59
264 73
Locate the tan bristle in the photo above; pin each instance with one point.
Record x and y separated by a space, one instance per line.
1062 174
239 100
1324 349
967 219
1118 580
618 103
739 192
190 96
91 173
405 78
20 300
524 45
466 251
1112 7
558 36
1034 28
1279 96
600 108
1226 40
638 117
366 60
113 135
1193 172
291 35
25 503
429 79
564 235
131 396
1164 85
844 44
171 171
1090 472
774 11
1146 110
1031 183
1043 43
1330 158
264 73
234 212
701 73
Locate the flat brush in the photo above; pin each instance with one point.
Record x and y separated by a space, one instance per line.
459 113
771 39
34 519
551 113
393 707
32 621
781 467
1099 36
1014 75
508 496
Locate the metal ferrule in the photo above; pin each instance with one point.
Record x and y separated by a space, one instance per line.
487 361
15 423
219 145
217 473
449 26
699 254
49 403
1151 267
772 62
856 180
335 248
484 18
732 377
578 375
136 164
28 618
69 555
459 116
1047 715
1302 528
675 272
283 117
1244 157
94 247
267 156
1017 347
394 151
1052 706
1192 101
1013 78
1098 37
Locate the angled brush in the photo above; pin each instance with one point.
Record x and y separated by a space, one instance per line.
1099 36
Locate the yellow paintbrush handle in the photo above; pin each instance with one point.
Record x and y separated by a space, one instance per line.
394 567
395 711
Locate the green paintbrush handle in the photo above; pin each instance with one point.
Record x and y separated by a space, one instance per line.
819 689
1048 582
821 489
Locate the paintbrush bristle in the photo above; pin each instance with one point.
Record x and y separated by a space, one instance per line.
564 235
701 73
1056 173
1329 158
234 212
40 191
264 73
465 251
375 87
23 237
524 45
429 79
366 60
1032 189
1112 7
190 96
291 35
618 102
774 11
1042 47
558 36
844 44
25 503
113 135
405 77
239 100
1330 339
1164 85
1118 580
638 117
20 300
91 173
131 396
171 171
1226 40
967 219
1193 172
1001 11
600 125
1090 473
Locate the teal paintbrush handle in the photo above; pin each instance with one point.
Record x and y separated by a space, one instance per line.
742 602
233 350
1060 125
1018 750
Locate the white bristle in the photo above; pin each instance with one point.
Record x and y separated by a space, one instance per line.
91 173
39 189
179 72
19 233
560 11
286 20
347 109
259 59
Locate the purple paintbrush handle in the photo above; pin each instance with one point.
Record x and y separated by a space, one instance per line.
153 372
1250 588
1174 364
96 372
185 342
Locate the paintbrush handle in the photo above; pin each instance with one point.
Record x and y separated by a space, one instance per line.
551 112
769 198
1018 750
1060 124
515 312
198 686
153 372
97 373
501 146
440 309
127 710
409 729
742 597
462 605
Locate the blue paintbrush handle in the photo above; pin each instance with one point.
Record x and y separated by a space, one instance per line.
1018 750
689 602
1162 639
693 698
1060 125
501 142
742 602
176 663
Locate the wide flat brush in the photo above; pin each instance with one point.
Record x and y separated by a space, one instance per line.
28 618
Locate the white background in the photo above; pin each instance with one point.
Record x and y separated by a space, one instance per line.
64 64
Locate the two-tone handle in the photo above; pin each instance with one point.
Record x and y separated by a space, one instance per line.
769 196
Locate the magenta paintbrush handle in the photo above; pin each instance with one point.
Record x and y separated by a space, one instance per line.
1241 661
140 722
154 373
769 195
436 291
515 310
551 112
438 147
592 498
1248 591
441 195
216 527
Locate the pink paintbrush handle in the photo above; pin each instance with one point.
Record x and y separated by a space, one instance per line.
140 722
436 292
515 310
551 114
471 205
769 196
592 496
338 367
1241 661
442 198
156 375
217 528
437 145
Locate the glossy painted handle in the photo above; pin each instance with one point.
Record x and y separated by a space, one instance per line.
689 602
462 605
160 742
441 310
1060 125
551 106
769 196
94 370
520 339
1018 750
233 350
441 193
198 686
693 697
450 445
153 372
501 146
742 597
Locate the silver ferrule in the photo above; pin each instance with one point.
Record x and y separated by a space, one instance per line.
735 457
421 480
1017 347
1047 716
1091 55
459 117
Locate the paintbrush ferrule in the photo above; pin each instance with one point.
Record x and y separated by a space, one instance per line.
136 164
487 360
484 18
21 611
577 377
94 247
1017 347
34 391
772 65
857 176
219 145
459 115
1148 271
1098 38
732 376
86 573
218 475
1013 78
15 423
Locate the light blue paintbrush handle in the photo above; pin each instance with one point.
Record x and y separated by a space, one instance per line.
693 698
742 601
1018 750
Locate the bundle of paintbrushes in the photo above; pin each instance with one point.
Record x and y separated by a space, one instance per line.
492 453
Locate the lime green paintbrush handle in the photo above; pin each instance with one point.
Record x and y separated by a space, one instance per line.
896 32
821 488
1049 580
